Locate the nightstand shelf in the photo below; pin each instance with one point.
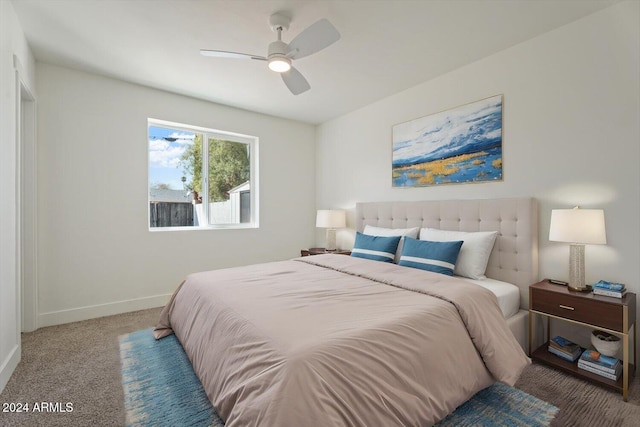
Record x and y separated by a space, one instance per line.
548 358
614 315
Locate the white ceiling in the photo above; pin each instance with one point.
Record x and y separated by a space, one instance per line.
386 46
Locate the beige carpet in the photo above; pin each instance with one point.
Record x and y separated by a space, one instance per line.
581 403
80 363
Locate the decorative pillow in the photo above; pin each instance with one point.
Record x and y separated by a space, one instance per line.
377 248
439 257
387 232
475 251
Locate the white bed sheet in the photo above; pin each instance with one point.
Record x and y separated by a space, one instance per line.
507 293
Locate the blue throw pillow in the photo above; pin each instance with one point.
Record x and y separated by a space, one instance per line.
377 248
439 257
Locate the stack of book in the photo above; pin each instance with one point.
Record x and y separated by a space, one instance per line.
564 348
609 289
605 366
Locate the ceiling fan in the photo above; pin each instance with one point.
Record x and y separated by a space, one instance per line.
280 54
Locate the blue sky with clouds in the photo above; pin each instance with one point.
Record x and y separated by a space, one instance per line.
165 148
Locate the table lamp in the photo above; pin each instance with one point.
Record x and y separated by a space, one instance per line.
577 227
331 219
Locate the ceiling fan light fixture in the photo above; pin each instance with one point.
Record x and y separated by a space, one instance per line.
279 64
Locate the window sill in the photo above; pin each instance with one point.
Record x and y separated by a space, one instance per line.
209 227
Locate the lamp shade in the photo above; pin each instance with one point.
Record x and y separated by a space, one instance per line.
583 226
331 219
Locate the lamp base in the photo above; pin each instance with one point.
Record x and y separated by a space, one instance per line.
587 288
576 268
331 239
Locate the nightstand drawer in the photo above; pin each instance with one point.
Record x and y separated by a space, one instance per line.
584 310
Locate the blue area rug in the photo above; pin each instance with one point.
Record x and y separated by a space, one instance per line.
161 389
501 405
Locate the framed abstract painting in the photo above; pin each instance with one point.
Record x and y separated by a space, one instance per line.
460 145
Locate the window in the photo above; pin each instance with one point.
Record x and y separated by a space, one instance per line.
201 178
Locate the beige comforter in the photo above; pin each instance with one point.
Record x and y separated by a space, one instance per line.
333 340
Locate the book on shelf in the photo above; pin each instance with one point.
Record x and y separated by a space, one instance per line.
610 286
562 354
564 344
615 376
603 363
561 346
608 293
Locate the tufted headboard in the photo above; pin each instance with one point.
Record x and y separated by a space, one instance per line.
514 258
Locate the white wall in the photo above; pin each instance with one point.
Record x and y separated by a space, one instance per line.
95 253
12 45
571 135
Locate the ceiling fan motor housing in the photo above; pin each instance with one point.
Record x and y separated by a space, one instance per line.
277 48
277 57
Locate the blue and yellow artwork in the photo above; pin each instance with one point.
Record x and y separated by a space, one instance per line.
460 145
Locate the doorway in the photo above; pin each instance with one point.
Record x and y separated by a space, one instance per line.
26 218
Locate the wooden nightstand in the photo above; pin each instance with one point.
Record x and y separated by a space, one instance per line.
613 315
318 251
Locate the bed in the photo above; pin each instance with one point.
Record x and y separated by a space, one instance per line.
514 258
334 340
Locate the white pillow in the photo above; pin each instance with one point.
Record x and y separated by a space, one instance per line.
474 254
390 232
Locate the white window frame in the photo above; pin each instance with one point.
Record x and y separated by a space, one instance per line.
207 133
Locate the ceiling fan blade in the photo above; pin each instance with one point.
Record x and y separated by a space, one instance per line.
225 54
313 39
295 81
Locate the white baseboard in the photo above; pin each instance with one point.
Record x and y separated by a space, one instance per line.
8 366
91 312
